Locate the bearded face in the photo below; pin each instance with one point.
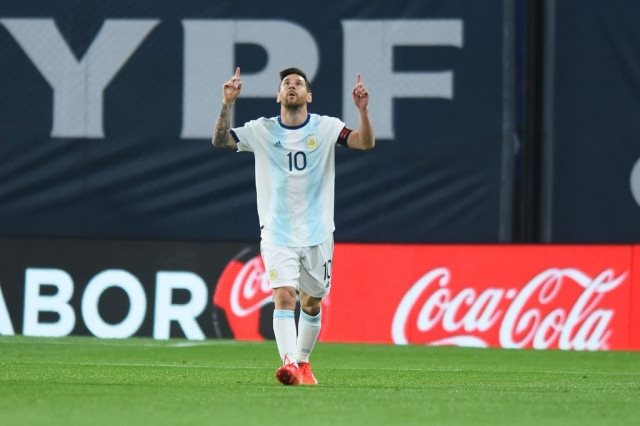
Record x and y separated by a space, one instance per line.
293 92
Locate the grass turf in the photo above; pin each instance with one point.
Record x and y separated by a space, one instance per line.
82 380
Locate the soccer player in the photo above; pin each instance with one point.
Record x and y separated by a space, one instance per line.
295 173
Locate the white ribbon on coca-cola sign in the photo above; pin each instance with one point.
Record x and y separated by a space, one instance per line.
580 326
250 290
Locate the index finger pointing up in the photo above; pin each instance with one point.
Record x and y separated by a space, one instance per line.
358 78
237 75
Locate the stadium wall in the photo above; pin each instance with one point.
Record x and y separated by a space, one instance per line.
569 297
117 218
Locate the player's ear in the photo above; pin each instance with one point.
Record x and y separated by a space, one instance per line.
309 98
278 97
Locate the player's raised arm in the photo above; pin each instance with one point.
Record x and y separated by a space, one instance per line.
230 91
364 137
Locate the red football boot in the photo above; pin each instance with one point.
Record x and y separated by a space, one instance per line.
307 374
289 375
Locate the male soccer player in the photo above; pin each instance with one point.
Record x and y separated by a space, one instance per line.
295 173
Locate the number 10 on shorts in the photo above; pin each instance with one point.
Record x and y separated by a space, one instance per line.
327 269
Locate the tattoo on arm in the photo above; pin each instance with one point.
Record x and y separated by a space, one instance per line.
223 125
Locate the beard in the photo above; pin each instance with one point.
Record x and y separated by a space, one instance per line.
293 102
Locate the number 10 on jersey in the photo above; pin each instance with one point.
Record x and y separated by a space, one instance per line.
297 161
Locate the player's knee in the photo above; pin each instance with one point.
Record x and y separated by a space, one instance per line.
284 298
310 305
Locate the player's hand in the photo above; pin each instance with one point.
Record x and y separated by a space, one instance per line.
231 89
360 94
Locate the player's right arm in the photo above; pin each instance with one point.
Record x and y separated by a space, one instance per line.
221 133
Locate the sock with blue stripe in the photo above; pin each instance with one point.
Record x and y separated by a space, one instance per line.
308 331
284 328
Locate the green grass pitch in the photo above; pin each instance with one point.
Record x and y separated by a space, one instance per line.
88 381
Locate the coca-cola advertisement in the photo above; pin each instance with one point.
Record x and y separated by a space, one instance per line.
540 297
566 297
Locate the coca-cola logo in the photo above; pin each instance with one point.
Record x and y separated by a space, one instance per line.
558 308
250 289
241 298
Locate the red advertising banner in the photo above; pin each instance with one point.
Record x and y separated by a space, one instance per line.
634 302
573 297
524 296
543 297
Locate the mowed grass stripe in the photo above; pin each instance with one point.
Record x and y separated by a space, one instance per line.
392 369
81 380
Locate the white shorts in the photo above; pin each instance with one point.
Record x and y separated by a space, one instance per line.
304 268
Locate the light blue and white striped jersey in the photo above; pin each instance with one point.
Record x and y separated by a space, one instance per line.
295 177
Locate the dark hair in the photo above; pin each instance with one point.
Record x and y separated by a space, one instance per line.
298 71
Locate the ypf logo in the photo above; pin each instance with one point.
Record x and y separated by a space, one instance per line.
635 181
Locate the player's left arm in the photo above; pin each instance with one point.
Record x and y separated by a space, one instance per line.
364 137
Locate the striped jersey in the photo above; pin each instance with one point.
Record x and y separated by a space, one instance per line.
295 177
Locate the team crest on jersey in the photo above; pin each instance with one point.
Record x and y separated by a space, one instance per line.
311 142
273 274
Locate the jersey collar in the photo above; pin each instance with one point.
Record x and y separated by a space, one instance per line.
294 127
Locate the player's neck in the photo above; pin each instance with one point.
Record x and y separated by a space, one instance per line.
293 116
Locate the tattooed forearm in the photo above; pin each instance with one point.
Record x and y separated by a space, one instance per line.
221 133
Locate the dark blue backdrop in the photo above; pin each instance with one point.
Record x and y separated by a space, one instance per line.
596 127
436 180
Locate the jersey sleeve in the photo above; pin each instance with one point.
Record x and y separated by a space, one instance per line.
244 136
